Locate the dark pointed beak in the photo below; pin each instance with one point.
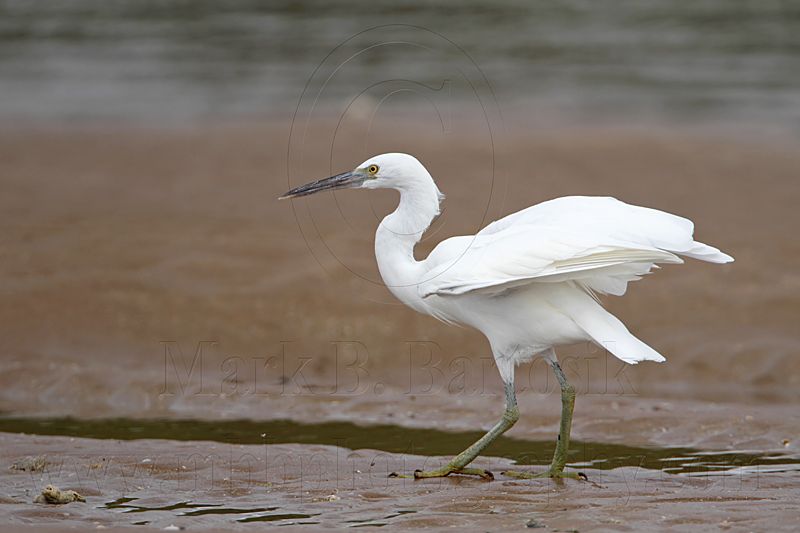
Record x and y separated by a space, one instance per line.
345 180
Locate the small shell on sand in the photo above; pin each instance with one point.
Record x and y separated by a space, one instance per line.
53 495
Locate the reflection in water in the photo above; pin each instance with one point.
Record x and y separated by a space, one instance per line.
397 439
178 61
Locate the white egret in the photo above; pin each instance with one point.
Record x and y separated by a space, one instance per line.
528 282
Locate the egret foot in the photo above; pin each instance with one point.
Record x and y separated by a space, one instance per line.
443 472
459 463
555 474
447 470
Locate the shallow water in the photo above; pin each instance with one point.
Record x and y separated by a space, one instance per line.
174 61
402 440
187 508
251 514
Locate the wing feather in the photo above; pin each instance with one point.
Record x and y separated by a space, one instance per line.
599 242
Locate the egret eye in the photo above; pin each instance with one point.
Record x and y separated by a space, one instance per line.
372 169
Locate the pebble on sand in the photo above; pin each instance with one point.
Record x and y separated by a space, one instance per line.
53 495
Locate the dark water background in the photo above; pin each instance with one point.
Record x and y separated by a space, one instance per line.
155 61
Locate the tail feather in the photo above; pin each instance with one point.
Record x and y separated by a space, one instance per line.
610 333
704 252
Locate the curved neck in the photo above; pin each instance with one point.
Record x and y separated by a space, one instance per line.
400 231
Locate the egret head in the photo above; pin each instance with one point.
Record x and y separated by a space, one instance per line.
386 171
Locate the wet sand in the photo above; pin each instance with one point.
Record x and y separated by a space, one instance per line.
197 485
152 273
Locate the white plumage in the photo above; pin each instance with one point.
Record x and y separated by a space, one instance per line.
528 281
598 241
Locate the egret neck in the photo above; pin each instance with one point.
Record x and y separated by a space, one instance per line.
399 233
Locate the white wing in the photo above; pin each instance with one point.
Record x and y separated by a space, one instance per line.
599 242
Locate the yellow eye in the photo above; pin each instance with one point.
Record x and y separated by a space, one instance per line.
373 169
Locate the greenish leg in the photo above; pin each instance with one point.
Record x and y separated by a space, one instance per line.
556 469
459 463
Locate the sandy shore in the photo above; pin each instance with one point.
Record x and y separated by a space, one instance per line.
205 485
152 273
117 242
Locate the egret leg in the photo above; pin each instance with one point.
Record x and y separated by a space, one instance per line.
556 469
459 463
